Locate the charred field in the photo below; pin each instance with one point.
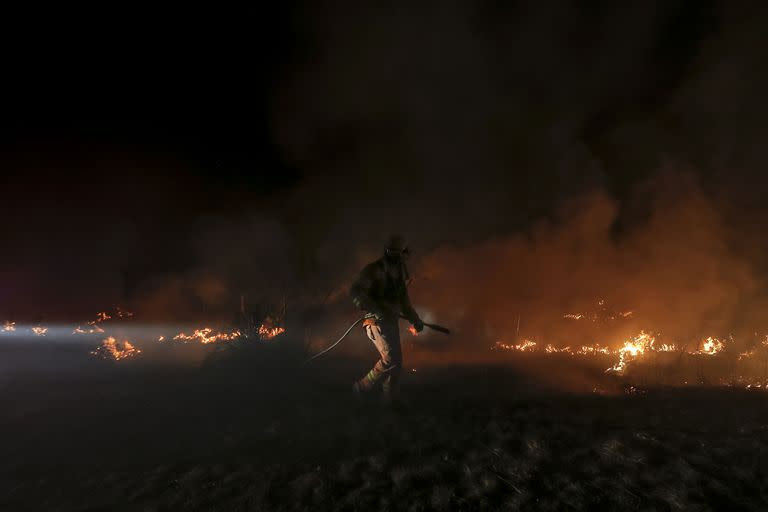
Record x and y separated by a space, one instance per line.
254 430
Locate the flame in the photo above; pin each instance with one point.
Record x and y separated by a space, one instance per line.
593 350
711 346
205 337
573 316
40 331
664 347
102 316
9 327
633 347
115 350
525 346
413 330
92 330
551 349
267 333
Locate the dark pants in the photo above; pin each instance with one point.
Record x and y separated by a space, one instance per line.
385 335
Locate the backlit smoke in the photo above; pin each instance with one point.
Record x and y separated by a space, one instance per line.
672 273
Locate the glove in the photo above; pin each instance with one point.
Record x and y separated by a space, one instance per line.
418 325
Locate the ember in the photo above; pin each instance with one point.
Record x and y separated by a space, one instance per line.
632 348
267 333
525 346
91 330
9 327
205 337
592 350
711 346
115 350
40 331
93 325
551 349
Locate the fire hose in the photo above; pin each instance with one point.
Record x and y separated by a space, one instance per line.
438 328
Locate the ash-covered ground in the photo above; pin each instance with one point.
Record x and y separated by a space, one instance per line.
251 429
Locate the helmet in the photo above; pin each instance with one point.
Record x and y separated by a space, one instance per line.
396 246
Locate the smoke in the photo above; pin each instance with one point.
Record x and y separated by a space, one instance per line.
674 270
540 158
228 258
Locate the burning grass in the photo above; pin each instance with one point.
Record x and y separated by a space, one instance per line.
647 358
206 335
114 350
267 333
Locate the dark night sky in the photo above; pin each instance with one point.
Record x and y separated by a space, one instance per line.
137 137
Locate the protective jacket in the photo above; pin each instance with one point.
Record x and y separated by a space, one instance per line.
380 289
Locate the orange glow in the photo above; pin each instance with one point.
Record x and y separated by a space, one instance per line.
413 330
102 316
9 327
586 350
40 331
115 350
525 346
633 347
711 346
205 336
267 333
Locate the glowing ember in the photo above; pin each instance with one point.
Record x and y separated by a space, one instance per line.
664 347
525 346
204 336
115 350
40 331
9 327
121 313
711 346
746 355
267 333
573 316
413 330
551 349
587 350
100 317
91 330
161 338
634 347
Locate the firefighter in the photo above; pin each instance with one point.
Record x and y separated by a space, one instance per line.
381 291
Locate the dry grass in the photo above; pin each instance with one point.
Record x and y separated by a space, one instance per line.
250 436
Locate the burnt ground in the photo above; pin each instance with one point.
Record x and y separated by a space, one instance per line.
253 431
